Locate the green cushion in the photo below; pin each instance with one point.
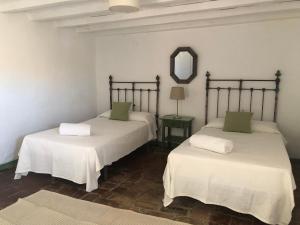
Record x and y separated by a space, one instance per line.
238 122
120 111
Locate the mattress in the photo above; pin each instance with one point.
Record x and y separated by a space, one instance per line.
255 178
80 159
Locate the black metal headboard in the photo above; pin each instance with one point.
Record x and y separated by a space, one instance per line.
240 88
154 86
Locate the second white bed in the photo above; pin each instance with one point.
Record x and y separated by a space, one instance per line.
80 159
255 178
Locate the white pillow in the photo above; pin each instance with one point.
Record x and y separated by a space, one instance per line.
133 116
256 125
264 126
216 123
146 117
105 114
141 116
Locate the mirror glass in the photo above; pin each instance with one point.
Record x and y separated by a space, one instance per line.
184 65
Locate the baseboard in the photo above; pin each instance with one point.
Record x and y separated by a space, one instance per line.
8 165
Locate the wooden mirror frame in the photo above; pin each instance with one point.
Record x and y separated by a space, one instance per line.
195 65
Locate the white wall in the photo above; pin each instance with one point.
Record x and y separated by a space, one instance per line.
257 49
47 76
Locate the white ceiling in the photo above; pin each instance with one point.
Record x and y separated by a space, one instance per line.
154 15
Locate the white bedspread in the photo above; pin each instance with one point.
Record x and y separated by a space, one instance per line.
255 178
80 159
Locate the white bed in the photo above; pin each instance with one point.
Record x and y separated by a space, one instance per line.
80 159
255 178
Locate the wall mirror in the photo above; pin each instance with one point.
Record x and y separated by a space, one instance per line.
183 65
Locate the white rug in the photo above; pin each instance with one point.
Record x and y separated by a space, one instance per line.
48 208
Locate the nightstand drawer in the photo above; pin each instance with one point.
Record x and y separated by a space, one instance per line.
176 123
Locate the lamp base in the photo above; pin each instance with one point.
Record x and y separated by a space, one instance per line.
176 117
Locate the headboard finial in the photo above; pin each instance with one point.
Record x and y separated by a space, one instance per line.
157 82
110 90
110 81
207 74
206 99
278 74
277 82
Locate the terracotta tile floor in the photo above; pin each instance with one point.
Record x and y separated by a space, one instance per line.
135 183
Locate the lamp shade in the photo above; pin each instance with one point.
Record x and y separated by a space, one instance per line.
124 5
177 93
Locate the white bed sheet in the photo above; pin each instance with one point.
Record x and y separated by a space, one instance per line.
80 159
255 178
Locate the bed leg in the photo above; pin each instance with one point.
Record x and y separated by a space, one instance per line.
148 145
53 180
105 173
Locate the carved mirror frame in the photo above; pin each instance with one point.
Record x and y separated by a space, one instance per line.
195 65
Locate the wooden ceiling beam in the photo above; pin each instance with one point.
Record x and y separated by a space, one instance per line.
97 8
159 3
197 24
289 8
14 6
182 9
76 10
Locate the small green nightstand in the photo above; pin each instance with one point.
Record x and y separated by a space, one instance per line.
171 121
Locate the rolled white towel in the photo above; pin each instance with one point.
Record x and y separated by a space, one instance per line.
210 143
75 129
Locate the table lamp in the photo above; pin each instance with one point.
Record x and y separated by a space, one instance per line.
177 93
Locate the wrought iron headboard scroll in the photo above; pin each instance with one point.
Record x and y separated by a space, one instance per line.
240 89
133 89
